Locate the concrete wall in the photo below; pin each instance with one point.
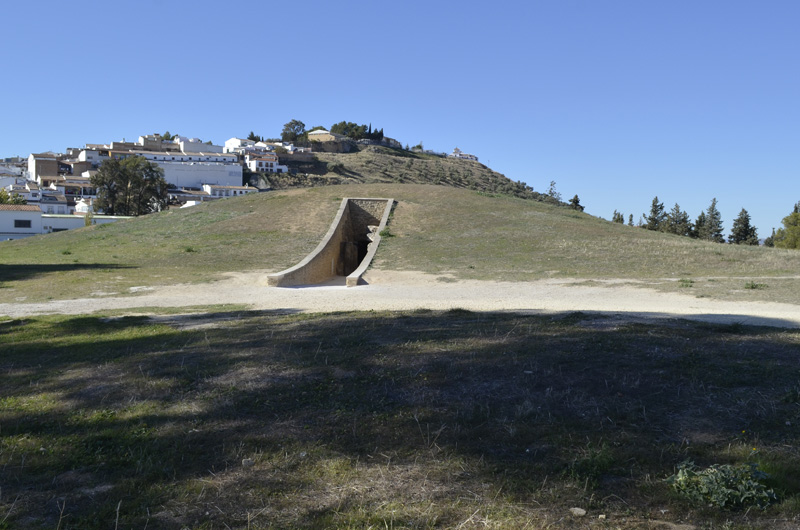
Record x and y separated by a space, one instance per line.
352 237
58 223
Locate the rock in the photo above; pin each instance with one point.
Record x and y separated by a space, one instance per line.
248 462
577 512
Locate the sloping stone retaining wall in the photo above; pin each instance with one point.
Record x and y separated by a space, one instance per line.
347 248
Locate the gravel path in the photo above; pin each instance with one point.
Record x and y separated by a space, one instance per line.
388 290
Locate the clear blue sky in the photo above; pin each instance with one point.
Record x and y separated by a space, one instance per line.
616 101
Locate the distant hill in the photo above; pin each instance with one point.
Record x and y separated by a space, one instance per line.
376 164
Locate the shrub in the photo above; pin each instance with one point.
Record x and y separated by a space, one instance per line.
733 486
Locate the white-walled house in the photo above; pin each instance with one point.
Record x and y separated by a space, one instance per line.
264 163
227 191
28 191
19 220
238 145
26 220
55 203
42 166
195 145
457 153
73 188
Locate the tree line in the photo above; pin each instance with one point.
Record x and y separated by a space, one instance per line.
295 132
708 225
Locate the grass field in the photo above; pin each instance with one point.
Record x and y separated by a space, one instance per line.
237 419
231 418
438 230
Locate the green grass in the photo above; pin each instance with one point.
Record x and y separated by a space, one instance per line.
437 230
244 419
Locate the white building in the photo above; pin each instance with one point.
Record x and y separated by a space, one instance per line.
228 191
26 220
19 220
28 191
192 170
457 153
43 166
61 223
238 145
195 145
264 163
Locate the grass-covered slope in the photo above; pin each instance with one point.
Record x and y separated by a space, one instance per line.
437 230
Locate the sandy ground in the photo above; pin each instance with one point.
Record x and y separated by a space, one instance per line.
388 290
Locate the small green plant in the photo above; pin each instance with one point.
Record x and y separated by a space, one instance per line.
66 252
190 249
754 285
723 486
386 233
685 282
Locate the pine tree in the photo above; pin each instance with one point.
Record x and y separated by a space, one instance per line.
678 222
699 226
630 220
575 203
617 217
657 218
712 230
743 233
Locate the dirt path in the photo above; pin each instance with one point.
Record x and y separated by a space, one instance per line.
388 290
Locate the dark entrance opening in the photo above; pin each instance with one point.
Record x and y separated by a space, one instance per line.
358 233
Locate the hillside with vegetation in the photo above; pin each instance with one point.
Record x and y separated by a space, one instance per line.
377 164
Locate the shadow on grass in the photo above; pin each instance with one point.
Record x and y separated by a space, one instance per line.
25 272
257 406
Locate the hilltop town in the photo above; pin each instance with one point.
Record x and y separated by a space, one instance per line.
51 192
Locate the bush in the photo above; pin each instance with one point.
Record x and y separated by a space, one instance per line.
723 485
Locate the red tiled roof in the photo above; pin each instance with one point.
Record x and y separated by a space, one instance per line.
19 208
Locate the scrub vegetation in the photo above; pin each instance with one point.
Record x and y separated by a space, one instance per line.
237 419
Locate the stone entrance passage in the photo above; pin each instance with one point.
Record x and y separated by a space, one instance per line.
346 250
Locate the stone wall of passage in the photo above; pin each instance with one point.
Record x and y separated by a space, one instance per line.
352 237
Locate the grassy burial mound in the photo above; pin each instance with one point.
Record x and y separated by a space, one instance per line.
440 230
237 419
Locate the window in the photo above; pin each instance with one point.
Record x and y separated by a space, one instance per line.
22 223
